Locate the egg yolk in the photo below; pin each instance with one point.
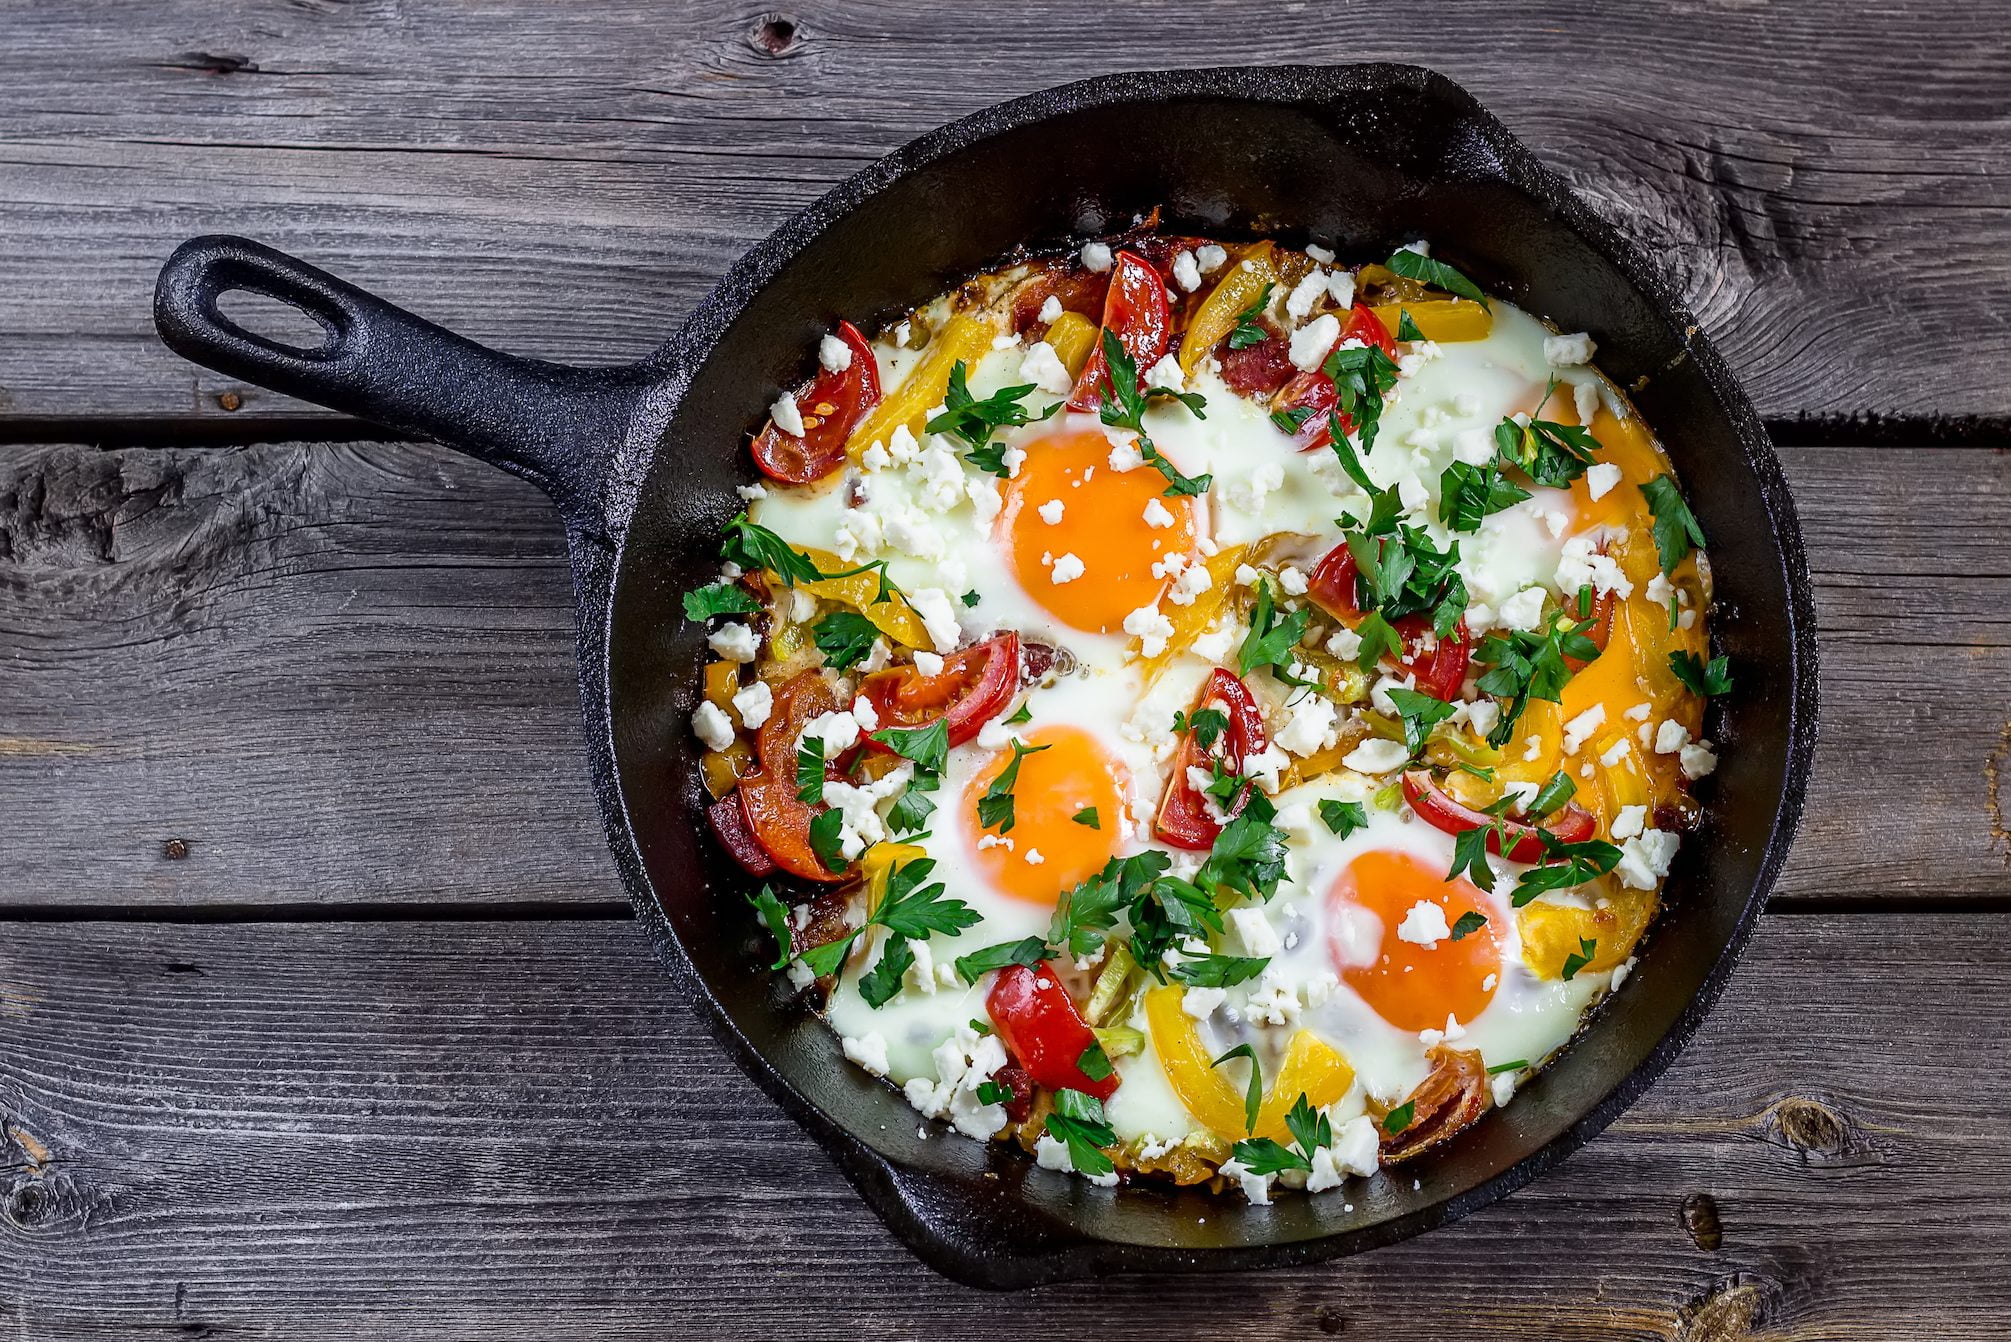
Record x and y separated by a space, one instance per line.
1415 987
1104 525
1048 850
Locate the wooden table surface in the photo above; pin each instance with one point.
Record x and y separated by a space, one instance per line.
321 1011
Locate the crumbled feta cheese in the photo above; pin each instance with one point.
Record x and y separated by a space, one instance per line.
786 415
1376 756
1615 752
1150 628
1050 309
1581 564
1524 610
1482 715
1166 373
1253 927
1200 1003
1600 478
1671 737
1629 822
834 354
1311 728
838 730
1212 646
1356 1150
711 726
939 618
1645 858
1324 255
1041 366
752 493
1096 256
1346 644
1192 582
1412 494
1066 569
1311 343
1424 925
1292 581
1341 288
1582 726
735 642
1308 291
1475 447
1012 459
753 704
1256 1187
1210 258
1050 512
1157 515
1050 1154
1264 767
1249 494
929 663
876 659
1502 1088
1697 760
865 714
869 1052
1568 351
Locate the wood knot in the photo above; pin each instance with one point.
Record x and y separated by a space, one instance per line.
1818 1132
776 34
174 850
1329 1322
215 63
1732 1311
229 400
1699 1217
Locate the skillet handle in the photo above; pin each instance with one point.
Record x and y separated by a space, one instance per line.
556 426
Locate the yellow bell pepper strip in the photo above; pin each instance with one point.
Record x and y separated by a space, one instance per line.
1072 336
966 338
1446 319
1553 933
896 618
878 863
1311 1067
1240 286
1190 622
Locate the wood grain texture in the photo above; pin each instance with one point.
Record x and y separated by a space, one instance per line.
344 674
491 1131
566 180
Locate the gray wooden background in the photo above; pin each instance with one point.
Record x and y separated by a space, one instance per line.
320 1010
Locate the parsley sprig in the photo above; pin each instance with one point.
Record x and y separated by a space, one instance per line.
1531 664
995 808
752 546
1702 679
1125 408
1249 329
1078 1120
1272 635
1362 375
1549 453
721 598
1417 266
1310 1129
910 910
974 421
1676 529
845 637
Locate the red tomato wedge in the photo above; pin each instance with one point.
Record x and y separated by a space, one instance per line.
1184 818
1040 1027
773 821
1314 392
1438 663
830 409
1602 626
1137 312
1573 824
973 687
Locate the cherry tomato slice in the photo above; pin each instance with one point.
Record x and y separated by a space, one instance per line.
805 696
1313 393
1438 663
1137 312
973 687
830 409
781 825
1363 325
1602 626
1452 1095
1039 1025
1259 369
1184 818
1573 824
728 817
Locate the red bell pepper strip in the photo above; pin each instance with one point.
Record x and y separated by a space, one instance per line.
831 406
1039 1025
1137 312
1572 824
1184 818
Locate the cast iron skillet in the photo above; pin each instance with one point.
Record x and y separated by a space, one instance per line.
642 462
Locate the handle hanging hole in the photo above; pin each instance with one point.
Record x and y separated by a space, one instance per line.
297 330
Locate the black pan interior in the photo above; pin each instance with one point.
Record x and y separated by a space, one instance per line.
1362 164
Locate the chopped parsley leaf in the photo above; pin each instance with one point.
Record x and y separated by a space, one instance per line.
1343 817
721 598
845 638
776 916
1676 529
1706 680
1417 266
995 808
1253 1098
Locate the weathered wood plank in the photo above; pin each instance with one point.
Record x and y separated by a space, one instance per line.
344 674
1827 181
499 1131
